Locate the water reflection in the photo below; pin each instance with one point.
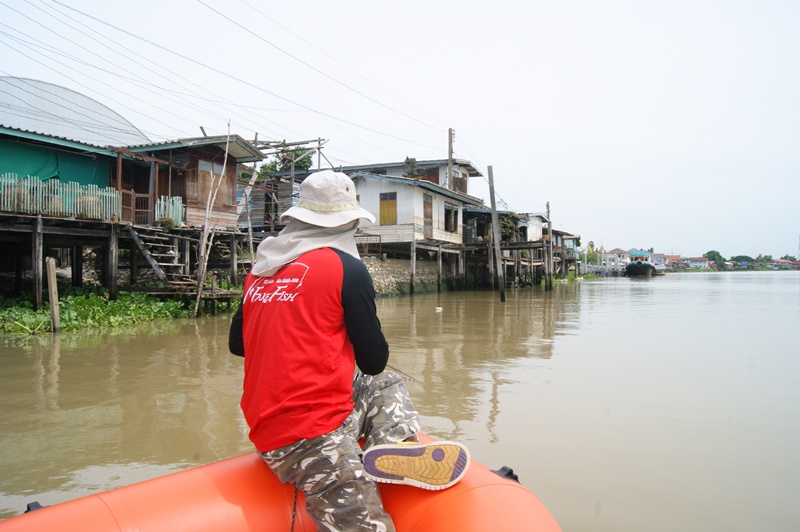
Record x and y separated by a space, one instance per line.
93 410
456 346
658 405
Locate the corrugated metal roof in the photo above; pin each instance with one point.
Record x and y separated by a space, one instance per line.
43 108
238 148
57 141
471 170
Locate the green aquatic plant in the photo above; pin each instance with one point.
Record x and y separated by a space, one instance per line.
84 308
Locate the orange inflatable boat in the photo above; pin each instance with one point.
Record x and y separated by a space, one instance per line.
242 494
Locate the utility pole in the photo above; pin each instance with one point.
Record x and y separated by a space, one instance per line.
450 136
496 237
548 279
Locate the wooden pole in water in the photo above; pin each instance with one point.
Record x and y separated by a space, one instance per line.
496 237
37 244
112 261
548 281
234 260
413 265
52 292
439 270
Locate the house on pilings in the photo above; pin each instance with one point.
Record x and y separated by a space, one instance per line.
423 212
77 176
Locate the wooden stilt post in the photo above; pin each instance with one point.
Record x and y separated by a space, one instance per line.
134 259
112 262
496 237
18 273
413 265
462 264
234 260
77 265
187 251
439 270
37 241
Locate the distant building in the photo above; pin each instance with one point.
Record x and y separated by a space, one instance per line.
698 263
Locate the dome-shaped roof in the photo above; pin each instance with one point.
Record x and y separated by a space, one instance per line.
40 107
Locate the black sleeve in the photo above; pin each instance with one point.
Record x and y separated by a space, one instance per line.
235 339
361 317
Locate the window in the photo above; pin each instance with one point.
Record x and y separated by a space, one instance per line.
450 218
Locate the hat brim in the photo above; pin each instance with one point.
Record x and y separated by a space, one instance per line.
327 219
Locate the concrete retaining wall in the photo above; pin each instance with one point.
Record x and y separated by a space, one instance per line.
392 277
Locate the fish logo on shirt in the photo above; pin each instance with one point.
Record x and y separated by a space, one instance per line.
281 287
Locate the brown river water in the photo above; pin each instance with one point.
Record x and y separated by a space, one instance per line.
625 405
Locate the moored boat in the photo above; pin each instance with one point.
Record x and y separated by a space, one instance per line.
639 268
640 264
242 494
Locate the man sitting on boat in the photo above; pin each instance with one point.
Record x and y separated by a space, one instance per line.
307 320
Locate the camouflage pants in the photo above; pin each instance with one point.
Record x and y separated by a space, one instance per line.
328 468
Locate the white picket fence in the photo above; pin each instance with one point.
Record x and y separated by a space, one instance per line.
51 197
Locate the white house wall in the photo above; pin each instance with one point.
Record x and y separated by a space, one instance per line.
535 229
410 212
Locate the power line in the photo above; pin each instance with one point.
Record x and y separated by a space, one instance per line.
188 83
239 80
335 80
46 113
94 91
323 52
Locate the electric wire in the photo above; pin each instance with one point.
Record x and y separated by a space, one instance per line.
333 120
225 103
136 78
53 51
64 119
239 80
115 89
340 63
335 80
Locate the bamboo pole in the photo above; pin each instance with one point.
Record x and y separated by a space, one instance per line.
207 234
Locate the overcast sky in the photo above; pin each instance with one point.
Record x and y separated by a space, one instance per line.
671 125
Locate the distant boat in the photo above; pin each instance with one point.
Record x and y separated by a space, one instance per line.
659 269
640 268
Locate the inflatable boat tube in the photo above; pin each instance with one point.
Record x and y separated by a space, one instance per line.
242 494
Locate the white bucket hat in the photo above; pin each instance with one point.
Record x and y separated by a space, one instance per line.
327 199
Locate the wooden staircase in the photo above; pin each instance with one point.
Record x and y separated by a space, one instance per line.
162 254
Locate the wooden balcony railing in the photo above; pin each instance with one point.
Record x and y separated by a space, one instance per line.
72 200
51 197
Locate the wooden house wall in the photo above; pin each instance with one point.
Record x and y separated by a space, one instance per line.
198 184
287 194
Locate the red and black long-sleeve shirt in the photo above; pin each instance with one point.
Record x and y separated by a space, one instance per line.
302 331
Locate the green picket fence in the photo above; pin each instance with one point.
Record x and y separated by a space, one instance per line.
170 207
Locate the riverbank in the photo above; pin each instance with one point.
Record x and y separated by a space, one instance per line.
81 308
392 277
90 306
